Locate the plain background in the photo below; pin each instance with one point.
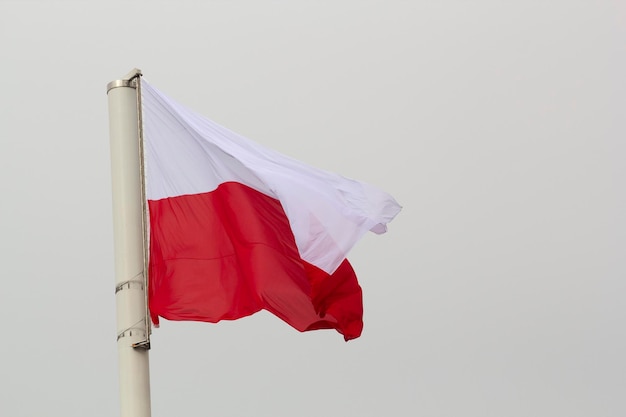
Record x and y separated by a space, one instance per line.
498 125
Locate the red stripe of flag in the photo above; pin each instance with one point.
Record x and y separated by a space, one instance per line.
228 253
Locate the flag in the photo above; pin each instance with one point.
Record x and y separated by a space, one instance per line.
236 228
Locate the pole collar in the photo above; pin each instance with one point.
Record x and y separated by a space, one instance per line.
129 80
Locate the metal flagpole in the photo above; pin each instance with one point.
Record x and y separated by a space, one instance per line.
129 235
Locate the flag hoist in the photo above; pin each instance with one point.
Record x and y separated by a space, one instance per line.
129 234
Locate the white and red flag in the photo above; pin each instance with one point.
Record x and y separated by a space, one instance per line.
236 228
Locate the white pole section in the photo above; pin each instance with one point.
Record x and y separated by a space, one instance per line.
128 237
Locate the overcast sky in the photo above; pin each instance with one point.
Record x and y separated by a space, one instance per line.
498 125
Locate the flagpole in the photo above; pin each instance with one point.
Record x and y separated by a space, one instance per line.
133 326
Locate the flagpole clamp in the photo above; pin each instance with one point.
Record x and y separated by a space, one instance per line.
145 344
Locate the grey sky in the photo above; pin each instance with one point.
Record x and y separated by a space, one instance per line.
499 126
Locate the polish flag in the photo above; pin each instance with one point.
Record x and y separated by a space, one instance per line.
236 228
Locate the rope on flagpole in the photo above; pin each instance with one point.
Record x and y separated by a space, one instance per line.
144 208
